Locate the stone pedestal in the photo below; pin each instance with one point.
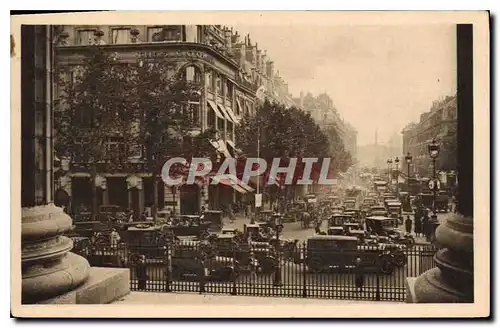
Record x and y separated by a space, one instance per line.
103 286
48 267
452 281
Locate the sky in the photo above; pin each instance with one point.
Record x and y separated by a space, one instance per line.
380 77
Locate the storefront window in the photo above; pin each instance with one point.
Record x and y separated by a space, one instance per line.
86 37
121 36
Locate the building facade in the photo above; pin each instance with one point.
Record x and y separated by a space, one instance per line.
324 112
234 74
440 124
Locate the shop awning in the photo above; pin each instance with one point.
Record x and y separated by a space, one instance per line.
233 145
263 182
221 147
233 116
223 110
231 182
240 109
214 108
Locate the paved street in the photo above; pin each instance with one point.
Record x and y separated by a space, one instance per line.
295 230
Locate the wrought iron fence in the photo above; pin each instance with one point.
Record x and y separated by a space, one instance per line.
370 273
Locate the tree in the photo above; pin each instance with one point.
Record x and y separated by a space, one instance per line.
341 159
90 111
166 106
284 133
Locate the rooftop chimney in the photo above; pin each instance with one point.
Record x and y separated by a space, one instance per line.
270 69
227 39
236 38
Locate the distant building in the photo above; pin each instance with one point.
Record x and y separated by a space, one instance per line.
440 123
326 115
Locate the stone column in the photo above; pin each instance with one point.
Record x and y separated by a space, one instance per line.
452 281
48 267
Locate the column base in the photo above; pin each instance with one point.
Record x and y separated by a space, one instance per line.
46 280
103 286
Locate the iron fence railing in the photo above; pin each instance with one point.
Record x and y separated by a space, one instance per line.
369 273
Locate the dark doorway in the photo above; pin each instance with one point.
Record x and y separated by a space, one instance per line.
117 191
81 190
190 203
135 203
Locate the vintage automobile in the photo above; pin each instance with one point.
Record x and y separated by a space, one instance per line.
189 262
378 211
88 228
339 253
338 220
228 231
110 212
358 233
333 200
370 201
351 226
442 201
355 214
213 218
395 209
337 209
233 247
349 205
81 245
426 199
335 231
384 226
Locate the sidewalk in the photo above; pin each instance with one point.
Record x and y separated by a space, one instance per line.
217 299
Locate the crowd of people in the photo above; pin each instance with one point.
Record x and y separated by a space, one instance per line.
421 224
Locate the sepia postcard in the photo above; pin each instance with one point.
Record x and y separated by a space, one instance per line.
268 164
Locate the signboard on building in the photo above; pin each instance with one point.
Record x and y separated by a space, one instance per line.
258 200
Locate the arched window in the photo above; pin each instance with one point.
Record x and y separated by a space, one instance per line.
192 74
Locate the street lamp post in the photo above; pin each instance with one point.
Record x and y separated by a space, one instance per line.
408 159
389 166
397 175
433 148
277 271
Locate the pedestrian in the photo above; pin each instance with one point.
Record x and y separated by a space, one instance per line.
245 206
130 216
253 267
426 226
317 227
408 224
141 272
230 212
144 215
114 238
418 222
359 275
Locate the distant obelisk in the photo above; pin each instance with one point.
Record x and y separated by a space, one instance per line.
376 164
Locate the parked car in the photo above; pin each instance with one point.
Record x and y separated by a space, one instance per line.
339 253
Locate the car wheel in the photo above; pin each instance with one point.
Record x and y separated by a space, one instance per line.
227 274
386 265
268 265
176 273
399 259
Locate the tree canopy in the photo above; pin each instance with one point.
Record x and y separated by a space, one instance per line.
290 132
